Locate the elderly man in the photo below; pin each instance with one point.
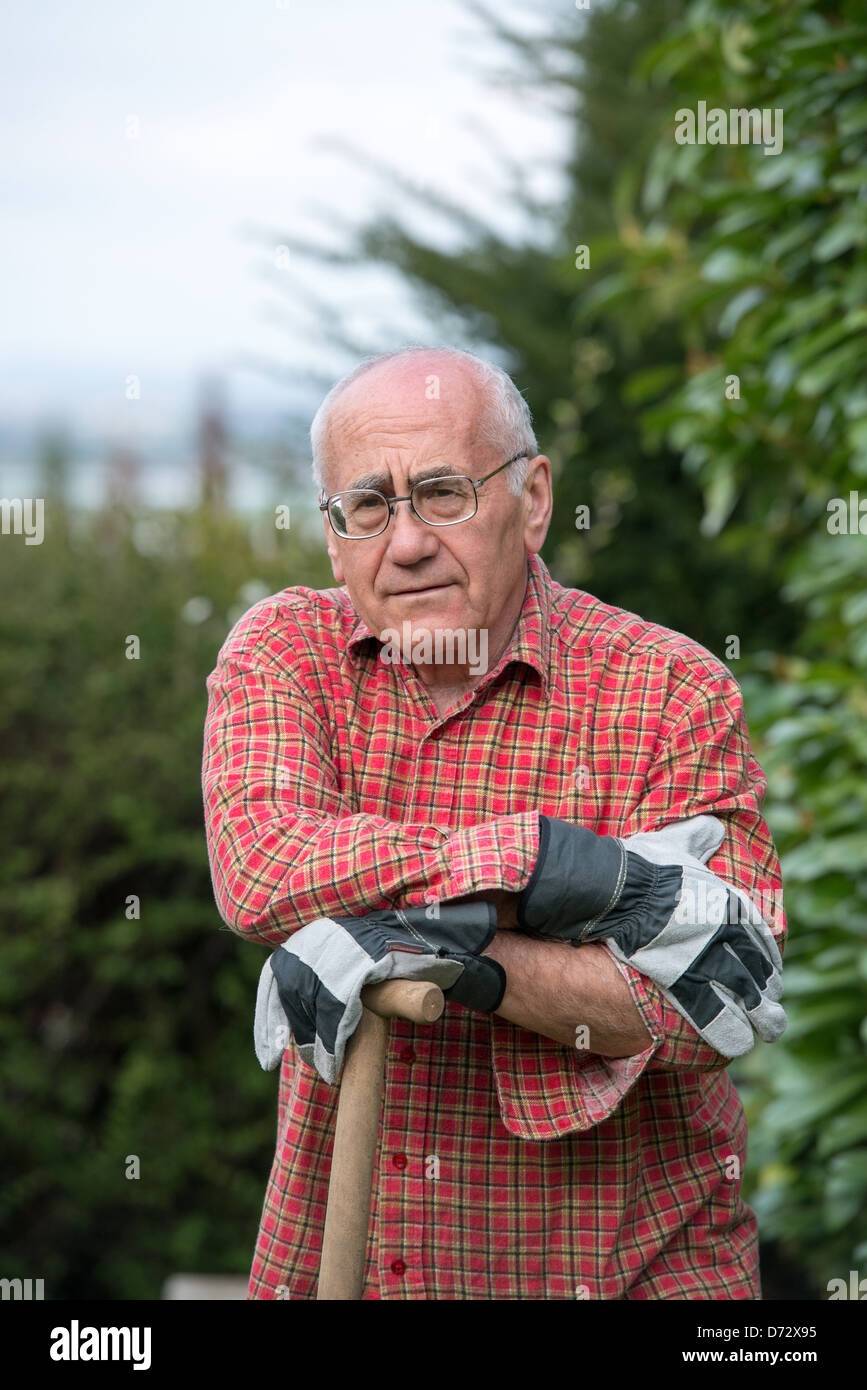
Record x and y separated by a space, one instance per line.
557 823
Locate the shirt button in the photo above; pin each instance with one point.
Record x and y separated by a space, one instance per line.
399 1160
408 1054
398 1267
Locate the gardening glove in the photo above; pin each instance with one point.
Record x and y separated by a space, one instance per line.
657 907
310 986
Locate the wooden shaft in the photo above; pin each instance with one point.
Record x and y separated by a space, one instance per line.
419 1001
347 1216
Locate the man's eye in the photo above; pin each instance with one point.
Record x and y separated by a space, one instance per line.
362 503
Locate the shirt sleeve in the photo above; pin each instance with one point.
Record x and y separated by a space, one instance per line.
704 765
284 844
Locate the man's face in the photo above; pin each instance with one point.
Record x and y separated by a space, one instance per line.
387 434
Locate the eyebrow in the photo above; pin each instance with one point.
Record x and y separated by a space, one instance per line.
381 482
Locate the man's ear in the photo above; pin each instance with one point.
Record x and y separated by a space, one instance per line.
538 503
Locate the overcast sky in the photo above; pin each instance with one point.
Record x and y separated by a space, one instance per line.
143 146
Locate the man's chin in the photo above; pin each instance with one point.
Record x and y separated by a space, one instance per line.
426 611
422 614
427 630
441 606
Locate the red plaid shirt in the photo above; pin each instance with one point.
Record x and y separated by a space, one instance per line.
510 1166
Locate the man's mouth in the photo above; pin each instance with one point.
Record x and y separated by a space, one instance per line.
428 589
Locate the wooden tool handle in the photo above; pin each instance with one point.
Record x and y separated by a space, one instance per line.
419 1001
344 1241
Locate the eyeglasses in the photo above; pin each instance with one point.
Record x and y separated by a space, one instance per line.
360 513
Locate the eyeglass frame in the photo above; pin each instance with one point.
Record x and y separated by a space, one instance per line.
391 502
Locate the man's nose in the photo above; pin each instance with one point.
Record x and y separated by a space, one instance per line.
409 538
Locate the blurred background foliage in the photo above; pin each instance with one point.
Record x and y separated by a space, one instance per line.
709 510
125 1029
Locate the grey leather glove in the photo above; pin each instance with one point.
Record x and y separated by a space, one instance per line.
657 907
310 986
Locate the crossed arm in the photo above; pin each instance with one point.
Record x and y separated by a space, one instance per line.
287 846
554 988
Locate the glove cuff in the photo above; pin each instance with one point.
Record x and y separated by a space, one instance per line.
525 898
578 877
481 986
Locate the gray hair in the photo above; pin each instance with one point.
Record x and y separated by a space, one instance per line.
507 423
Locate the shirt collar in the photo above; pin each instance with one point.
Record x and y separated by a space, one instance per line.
529 644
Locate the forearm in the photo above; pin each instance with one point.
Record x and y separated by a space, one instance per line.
554 988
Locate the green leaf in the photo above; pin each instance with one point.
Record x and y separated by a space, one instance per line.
803 51
841 236
796 1112
643 386
738 307
725 265
818 378
853 119
843 1131
720 497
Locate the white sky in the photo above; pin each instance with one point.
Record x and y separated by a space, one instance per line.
137 255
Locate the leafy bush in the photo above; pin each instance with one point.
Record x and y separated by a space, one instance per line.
124 1036
759 264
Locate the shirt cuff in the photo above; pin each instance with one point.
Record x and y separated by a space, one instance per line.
495 854
546 1090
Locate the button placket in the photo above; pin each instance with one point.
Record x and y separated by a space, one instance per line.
399 1236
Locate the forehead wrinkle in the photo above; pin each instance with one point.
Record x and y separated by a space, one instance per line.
381 482
377 420
369 422
374 412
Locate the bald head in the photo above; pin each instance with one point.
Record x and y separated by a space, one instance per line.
423 397
425 388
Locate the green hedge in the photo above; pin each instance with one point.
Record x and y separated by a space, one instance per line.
124 1036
